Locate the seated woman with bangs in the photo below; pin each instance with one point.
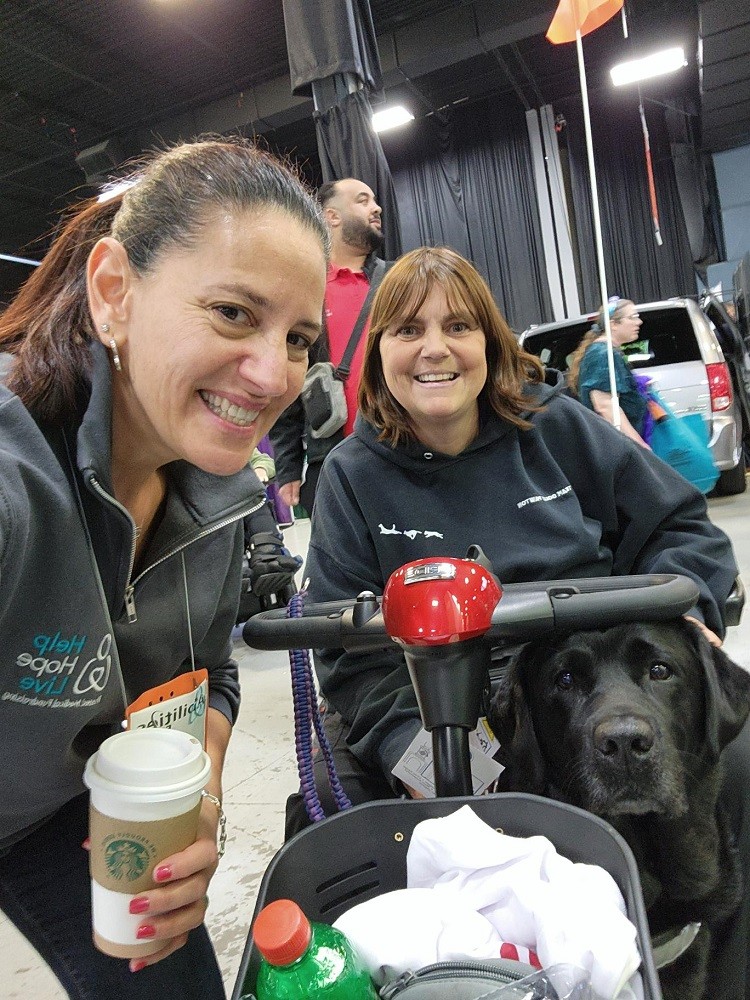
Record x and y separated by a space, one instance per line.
463 439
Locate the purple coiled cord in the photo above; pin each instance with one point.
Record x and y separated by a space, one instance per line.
307 715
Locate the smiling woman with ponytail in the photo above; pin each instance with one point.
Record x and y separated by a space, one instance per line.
152 349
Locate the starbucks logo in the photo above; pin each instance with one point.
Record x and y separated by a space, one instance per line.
125 860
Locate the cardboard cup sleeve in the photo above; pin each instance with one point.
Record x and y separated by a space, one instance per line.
122 859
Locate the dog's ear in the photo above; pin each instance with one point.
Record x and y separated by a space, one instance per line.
727 693
511 723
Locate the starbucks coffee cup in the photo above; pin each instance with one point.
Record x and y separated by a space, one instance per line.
146 789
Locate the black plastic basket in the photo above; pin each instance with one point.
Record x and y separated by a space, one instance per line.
361 853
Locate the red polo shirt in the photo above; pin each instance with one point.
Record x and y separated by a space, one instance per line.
346 292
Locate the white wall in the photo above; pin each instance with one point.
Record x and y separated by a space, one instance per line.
733 180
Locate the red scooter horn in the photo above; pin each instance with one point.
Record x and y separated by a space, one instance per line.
433 602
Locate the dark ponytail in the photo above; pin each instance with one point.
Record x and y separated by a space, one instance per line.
48 325
171 194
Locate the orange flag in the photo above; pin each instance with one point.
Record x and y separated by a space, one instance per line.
580 15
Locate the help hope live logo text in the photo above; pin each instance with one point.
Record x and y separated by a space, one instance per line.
59 675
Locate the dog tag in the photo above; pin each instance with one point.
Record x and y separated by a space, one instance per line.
415 768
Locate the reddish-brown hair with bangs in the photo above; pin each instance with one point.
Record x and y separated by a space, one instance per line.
398 300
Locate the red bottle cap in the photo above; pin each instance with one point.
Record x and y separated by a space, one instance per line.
282 932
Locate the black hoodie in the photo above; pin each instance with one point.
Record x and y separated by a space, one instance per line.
569 497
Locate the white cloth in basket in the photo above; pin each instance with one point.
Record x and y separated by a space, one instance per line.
470 888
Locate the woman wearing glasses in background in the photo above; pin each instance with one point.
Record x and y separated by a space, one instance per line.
588 374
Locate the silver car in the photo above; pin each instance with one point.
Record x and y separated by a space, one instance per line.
680 346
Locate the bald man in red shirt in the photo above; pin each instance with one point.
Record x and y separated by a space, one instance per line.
353 216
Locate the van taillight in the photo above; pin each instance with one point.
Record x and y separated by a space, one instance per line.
720 386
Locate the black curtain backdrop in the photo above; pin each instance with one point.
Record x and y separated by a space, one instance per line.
324 39
636 267
467 182
696 184
349 147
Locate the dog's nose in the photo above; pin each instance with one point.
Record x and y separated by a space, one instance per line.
623 737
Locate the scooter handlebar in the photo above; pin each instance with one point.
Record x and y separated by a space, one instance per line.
524 611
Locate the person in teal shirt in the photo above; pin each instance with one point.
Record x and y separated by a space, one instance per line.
588 374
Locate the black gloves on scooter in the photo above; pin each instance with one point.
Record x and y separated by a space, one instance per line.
272 567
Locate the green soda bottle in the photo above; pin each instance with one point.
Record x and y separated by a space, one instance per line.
303 960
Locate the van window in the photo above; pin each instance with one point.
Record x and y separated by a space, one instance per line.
667 337
554 347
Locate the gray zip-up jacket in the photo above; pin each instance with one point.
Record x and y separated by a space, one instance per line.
77 646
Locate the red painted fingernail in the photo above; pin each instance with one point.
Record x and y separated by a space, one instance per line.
137 964
139 905
163 873
145 931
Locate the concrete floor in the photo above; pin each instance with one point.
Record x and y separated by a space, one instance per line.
260 774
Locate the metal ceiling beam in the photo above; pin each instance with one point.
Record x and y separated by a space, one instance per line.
62 67
500 60
725 73
528 74
421 47
32 105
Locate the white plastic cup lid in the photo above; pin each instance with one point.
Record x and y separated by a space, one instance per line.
138 763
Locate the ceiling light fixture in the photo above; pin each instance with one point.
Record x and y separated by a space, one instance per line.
391 117
666 61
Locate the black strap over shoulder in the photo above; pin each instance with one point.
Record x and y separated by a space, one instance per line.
344 367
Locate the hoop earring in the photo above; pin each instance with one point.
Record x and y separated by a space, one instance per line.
113 347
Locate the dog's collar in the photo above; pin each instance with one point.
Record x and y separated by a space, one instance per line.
668 946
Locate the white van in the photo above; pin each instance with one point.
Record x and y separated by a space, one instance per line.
680 347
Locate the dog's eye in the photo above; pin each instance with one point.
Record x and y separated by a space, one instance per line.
564 680
660 672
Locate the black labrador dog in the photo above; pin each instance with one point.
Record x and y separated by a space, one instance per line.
629 723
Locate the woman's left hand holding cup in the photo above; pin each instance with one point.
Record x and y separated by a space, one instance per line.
179 902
